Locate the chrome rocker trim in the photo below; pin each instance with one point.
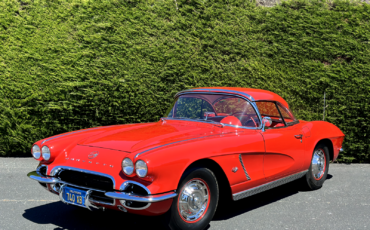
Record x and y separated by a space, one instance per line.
144 199
273 184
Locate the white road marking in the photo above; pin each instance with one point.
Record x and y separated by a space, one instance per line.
6 200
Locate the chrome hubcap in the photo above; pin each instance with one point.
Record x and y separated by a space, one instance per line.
193 200
318 163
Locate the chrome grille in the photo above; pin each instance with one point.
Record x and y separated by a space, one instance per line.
86 180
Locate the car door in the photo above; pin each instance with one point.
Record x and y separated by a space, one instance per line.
283 142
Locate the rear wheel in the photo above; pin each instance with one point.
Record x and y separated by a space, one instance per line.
319 168
197 201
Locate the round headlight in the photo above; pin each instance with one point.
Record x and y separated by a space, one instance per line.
127 166
141 168
36 153
45 153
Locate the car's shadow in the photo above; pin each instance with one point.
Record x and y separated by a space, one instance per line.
71 217
235 208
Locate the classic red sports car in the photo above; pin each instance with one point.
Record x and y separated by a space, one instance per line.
239 140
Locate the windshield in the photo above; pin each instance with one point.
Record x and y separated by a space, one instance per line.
230 110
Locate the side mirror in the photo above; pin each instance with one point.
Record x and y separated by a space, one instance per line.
266 122
209 114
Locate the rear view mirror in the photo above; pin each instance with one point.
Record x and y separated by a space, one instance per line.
209 114
266 122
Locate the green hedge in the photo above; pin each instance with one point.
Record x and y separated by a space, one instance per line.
67 64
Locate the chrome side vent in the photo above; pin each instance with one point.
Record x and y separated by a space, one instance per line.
245 171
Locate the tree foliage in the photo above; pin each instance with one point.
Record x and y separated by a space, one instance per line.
68 64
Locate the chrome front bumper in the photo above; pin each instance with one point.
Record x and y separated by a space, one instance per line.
42 179
143 199
115 195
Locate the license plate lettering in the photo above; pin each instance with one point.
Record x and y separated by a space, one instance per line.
79 199
74 196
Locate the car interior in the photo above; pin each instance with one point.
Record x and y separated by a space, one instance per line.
224 109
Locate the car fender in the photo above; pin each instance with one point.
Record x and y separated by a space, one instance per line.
316 131
167 164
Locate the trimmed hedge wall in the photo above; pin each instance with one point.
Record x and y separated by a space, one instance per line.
67 64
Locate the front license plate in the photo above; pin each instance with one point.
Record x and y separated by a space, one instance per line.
74 196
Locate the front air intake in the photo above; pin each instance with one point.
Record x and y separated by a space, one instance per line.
86 180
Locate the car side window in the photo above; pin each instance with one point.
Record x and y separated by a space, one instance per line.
287 115
269 109
238 107
232 105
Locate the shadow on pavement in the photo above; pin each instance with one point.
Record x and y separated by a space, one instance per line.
71 217
235 208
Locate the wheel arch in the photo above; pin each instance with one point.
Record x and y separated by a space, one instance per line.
325 133
329 144
222 180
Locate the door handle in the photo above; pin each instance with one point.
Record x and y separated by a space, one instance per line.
299 136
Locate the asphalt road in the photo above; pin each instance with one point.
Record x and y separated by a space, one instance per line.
342 203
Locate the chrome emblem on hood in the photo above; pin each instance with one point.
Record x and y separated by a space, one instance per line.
93 154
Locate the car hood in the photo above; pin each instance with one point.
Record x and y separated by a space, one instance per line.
160 133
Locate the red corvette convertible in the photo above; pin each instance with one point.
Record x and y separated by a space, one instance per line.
239 140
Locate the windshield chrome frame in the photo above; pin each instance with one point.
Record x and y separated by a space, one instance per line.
232 93
250 98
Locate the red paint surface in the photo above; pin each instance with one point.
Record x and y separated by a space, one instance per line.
170 147
284 152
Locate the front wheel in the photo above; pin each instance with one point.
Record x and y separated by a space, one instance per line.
319 168
197 201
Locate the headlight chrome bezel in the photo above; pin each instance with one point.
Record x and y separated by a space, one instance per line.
36 152
128 166
45 151
141 168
